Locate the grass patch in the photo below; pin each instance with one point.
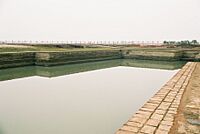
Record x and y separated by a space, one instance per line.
47 48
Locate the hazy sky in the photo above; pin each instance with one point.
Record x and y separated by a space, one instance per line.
99 19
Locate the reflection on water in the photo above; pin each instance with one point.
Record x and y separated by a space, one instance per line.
12 73
93 102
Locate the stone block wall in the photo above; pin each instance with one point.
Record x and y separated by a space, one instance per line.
191 55
16 59
58 58
152 54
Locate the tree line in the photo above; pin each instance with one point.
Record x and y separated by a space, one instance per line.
182 43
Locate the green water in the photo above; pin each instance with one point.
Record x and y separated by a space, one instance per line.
20 72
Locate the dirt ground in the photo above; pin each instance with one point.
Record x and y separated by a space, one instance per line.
187 120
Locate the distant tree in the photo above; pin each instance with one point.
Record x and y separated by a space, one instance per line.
186 43
169 42
172 42
165 42
194 42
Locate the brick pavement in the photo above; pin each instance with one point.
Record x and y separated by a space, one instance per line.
156 116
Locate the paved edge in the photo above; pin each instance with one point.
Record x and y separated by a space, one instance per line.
157 115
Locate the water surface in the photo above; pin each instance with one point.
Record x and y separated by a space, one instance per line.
91 102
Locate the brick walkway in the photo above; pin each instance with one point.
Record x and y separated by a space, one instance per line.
156 116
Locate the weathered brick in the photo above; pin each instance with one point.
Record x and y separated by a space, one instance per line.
130 128
169 123
153 122
159 131
172 112
162 108
156 99
154 102
124 132
168 100
143 112
148 129
141 116
134 124
138 120
157 116
162 112
147 109
174 106
168 118
165 104
164 127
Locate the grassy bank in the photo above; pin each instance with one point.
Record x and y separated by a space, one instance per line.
38 48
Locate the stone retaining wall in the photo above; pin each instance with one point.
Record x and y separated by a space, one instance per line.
16 59
152 54
58 58
162 54
191 55
156 116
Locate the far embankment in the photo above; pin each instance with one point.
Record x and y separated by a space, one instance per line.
15 56
166 54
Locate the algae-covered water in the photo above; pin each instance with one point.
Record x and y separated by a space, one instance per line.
89 98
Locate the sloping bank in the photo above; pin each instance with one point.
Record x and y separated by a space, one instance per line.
15 59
